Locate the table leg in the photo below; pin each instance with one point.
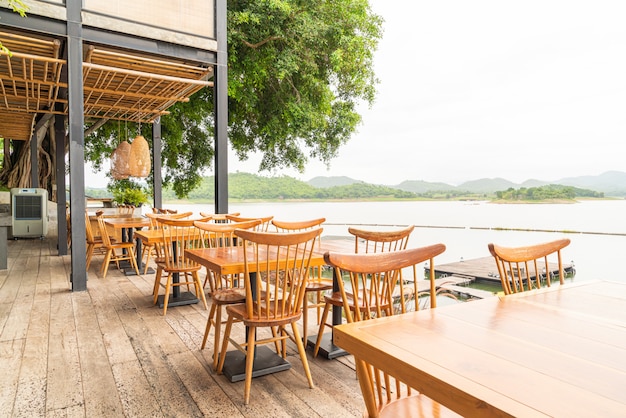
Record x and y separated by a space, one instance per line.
327 348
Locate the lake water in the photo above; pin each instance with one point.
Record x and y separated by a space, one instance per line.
597 229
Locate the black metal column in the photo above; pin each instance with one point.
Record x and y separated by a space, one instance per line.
221 110
59 134
157 188
77 143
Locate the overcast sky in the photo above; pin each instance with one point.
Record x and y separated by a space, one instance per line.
475 89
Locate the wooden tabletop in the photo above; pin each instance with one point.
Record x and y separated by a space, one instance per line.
127 222
559 351
230 260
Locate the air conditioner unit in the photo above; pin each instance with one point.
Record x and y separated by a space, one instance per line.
29 212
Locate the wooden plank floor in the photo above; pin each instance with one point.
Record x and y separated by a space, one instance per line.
110 352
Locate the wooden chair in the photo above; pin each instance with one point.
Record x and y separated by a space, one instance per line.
224 290
316 284
524 268
384 241
115 251
178 236
272 301
94 243
373 276
370 242
262 227
153 251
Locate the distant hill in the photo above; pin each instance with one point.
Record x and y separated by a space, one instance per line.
487 185
611 183
419 186
325 182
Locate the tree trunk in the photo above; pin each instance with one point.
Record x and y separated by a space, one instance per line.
16 169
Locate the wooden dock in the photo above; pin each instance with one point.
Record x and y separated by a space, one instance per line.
456 277
484 269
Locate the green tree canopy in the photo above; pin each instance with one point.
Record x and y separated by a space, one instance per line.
297 71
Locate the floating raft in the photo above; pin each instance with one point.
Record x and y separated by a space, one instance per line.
483 269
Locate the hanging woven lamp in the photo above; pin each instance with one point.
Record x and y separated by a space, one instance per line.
119 161
139 158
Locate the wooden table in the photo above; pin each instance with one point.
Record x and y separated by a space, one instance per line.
230 260
127 224
559 351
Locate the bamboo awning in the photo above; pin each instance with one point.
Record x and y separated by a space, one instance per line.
117 84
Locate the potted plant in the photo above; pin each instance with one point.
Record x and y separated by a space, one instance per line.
126 192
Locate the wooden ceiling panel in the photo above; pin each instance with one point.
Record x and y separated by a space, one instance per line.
117 84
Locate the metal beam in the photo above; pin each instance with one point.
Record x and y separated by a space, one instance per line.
32 22
220 95
77 143
151 46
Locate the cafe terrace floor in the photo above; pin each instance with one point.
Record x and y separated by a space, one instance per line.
109 352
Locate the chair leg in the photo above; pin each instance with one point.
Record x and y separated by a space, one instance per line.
305 317
225 340
302 352
199 288
147 249
208 327
90 248
105 263
168 287
320 333
157 284
249 364
133 260
216 338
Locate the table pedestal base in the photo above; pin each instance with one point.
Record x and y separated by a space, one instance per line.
266 361
185 298
129 271
327 348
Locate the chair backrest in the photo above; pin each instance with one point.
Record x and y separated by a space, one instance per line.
277 267
295 226
524 268
91 237
223 234
126 209
164 211
380 241
104 232
374 276
172 215
262 227
219 218
179 235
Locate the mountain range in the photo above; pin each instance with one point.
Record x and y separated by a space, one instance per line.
611 183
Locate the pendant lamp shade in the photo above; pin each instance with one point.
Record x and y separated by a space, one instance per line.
119 161
139 158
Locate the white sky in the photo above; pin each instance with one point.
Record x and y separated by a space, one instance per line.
474 89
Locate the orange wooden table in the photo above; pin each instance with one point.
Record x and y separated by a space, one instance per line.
559 351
